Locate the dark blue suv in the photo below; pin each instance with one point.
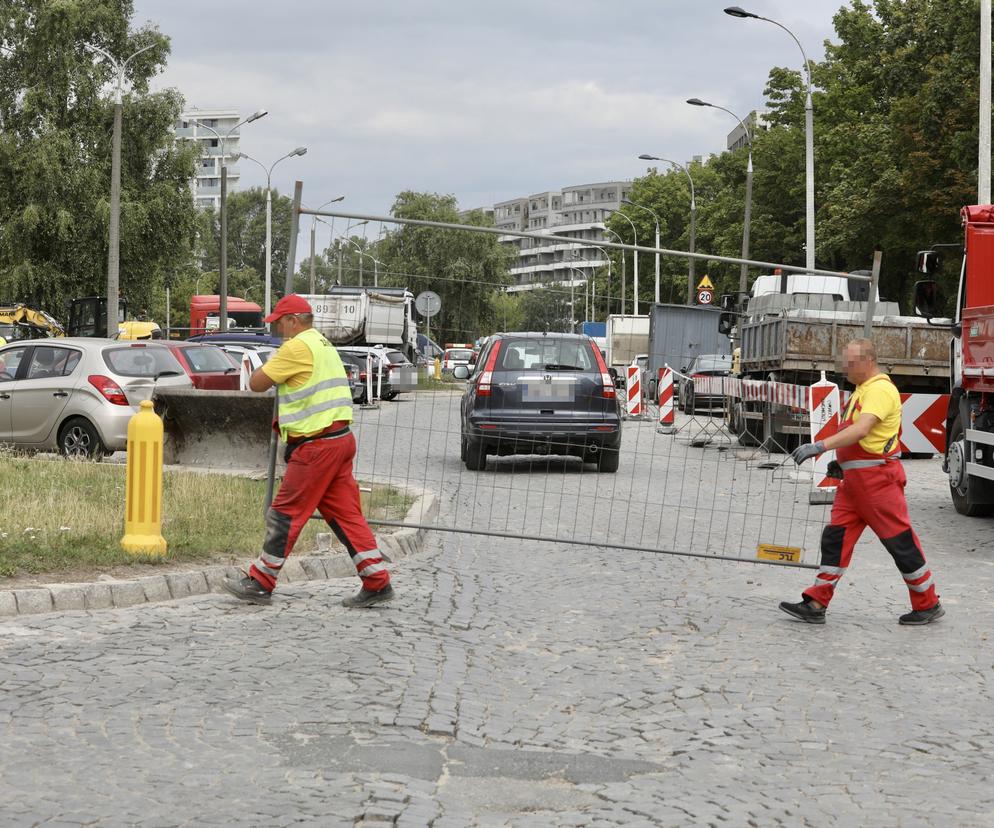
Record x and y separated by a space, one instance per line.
540 393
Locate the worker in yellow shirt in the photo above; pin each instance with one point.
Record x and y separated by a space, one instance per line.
871 493
315 415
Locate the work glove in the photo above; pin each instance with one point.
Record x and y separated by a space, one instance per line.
806 451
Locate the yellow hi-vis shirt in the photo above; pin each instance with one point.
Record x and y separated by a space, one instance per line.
877 396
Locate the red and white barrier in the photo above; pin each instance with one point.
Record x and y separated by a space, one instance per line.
824 416
664 386
633 387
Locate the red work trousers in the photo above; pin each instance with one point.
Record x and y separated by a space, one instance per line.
873 497
319 476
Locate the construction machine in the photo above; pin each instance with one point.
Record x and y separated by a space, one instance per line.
23 322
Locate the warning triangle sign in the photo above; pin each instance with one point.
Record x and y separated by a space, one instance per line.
705 284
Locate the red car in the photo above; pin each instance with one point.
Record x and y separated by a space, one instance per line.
209 367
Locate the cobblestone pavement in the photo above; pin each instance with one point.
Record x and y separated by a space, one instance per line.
520 685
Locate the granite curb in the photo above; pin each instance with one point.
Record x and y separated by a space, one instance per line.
116 594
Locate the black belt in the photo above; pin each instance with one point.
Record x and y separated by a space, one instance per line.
333 435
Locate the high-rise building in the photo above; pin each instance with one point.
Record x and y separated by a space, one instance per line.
756 121
578 212
206 184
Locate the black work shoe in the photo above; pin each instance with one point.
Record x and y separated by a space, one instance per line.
804 611
247 589
916 618
367 597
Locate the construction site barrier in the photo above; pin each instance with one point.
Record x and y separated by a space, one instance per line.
664 385
633 392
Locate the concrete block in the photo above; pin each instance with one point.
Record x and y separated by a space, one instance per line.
184 584
33 600
155 587
127 593
314 568
97 596
8 604
292 572
325 541
215 575
68 597
340 566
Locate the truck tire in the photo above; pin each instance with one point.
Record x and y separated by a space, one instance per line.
971 496
476 457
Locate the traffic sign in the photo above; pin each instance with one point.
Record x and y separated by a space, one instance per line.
704 297
428 303
706 284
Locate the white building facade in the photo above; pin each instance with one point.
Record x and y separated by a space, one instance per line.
206 184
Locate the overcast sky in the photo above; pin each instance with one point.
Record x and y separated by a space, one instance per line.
487 101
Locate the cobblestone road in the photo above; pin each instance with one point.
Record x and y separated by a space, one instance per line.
520 685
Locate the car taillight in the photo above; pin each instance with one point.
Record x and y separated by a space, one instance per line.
608 391
487 376
109 390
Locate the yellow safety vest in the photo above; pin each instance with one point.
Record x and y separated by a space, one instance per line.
324 399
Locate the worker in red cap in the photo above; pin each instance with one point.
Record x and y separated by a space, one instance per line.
315 413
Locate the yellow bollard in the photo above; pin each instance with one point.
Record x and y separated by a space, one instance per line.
438 368
143 485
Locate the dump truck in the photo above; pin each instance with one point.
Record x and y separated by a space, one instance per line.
969 455
792 328
678 333
627 336
367 316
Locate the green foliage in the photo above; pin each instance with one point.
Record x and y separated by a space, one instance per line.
55 155
466 270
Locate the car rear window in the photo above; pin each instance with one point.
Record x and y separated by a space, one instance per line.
546 354
459 353
141 361
207 358
396 357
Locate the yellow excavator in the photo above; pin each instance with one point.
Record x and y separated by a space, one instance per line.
23 322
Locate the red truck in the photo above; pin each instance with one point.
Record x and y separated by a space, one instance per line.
205 314
969 458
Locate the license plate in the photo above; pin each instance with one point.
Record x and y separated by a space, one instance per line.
547 391
404 379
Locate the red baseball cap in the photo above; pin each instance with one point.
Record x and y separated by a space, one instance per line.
289 304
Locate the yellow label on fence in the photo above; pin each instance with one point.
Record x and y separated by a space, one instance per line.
783 554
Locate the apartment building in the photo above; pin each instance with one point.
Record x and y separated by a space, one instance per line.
578 212
200 125
737 137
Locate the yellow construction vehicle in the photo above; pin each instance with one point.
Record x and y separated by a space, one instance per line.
23 322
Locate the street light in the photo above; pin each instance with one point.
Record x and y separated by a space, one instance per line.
348 228
593 283
269 211
114 223
656 218
314 221
743 270
635 288
624 269
223 268
809 145
693 220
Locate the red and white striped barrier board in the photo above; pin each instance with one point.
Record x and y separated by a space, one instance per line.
633 386
923 423
824 416
665 388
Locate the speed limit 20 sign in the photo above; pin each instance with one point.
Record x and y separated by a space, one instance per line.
704 297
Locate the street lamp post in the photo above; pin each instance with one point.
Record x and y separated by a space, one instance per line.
114 223
656 219
223 266
744 268
269 212
348 227
635 278
693 220
593 282
624 270
809 145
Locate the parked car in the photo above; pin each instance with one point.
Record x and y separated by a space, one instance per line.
540 393
355 369
454 357
76 395
210 367
392 371
716 365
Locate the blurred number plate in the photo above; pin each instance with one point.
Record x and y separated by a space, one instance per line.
547 390
405 378
783 554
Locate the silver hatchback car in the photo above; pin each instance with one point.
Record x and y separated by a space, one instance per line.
76 395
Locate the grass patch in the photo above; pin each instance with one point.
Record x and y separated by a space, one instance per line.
62 514
427 382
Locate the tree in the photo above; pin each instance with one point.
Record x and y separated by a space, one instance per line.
55 156
466 269
546 309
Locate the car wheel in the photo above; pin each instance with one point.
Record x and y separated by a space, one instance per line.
476 457
462 448
608 460
78 438
391 396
